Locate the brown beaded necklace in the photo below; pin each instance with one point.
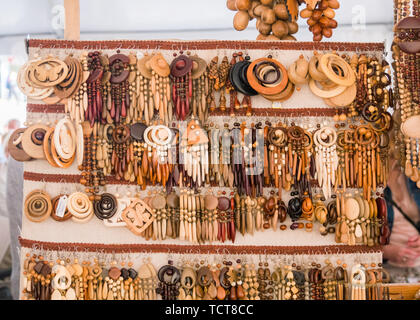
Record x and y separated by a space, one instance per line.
120 95
94 88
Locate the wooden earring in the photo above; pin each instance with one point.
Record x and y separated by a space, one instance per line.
37 206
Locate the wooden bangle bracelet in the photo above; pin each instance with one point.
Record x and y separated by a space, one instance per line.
254 83
325 93
262 69
364 131
345 98
326 64
33 149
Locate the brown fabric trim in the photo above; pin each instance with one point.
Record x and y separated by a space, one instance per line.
49 177
203 45
67 178
257 112
45 108
197 249
75 178
282 112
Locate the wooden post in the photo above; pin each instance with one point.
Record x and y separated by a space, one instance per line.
72 20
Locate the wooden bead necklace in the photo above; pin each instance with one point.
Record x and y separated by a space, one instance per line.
181 68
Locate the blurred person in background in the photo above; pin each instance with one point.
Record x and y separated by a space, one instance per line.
403 205
11 192
403 202
11 126
14 196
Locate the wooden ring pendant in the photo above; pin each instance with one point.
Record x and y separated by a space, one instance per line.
362 132
325 93
204 277
37 206
308 140
72 82
325 137
174 273
371 112
346 97
118 65
80 207
121 133
259 87
277 136
315 70
295 133
188 274
106 206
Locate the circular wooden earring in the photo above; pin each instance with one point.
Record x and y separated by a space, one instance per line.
15 148
32 141
326 64
106 206
37 206
80 207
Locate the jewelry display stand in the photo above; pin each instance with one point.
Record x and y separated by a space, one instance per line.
71 239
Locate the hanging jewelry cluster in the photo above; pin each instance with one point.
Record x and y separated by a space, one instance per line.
225 278
147 122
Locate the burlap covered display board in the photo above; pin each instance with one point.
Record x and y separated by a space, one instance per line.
94 238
